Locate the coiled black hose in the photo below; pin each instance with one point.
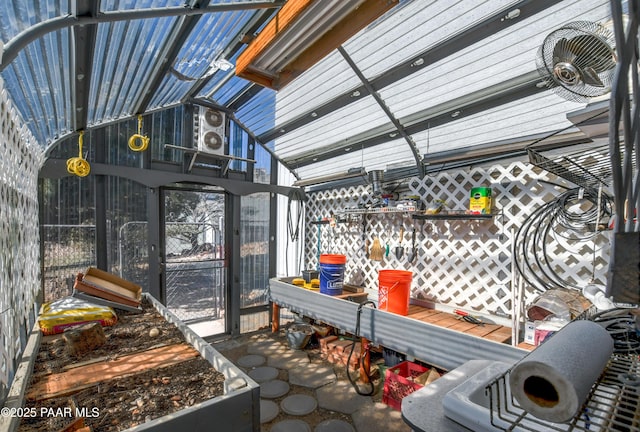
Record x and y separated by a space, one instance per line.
558 219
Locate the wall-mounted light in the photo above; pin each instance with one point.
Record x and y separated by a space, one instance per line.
222 64
351 173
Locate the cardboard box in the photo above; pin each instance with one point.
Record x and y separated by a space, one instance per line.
529 332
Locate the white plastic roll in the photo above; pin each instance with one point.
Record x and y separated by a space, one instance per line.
553 381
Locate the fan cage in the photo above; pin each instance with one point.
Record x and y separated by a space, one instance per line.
583 48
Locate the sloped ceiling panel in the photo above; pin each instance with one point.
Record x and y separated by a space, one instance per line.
126 54
505 56
212 34
496 59
336 127
391 154
110 5
326 80
413 28
537 114
37 79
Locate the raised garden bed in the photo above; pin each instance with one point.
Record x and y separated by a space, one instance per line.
138 380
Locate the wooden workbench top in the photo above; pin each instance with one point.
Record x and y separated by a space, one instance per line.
493 332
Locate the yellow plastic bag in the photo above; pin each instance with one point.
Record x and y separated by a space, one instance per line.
70 311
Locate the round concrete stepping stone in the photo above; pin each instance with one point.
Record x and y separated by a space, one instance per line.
251 361
312 376
293 425
268 410
274 389
298 404
334 425
263 373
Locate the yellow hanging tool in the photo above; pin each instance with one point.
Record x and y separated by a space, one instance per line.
78 165
144 140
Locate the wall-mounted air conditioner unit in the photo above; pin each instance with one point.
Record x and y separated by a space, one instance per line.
209 131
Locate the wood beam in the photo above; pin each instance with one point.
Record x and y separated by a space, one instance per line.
337 34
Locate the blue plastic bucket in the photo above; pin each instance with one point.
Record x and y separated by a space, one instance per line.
332 273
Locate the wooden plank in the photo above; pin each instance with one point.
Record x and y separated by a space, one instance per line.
73 380
434 318
351 24
463 326
415 309
448 322
425 313
482 330
502 334
283 19
526 346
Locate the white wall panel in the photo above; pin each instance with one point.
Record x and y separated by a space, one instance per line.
391 153
536 114
339 125
496 59
327 79
414 28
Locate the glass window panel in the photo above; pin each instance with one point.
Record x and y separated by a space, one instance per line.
262 167
125 55
167 128
127 231
259 113
38 82
238 146
254 249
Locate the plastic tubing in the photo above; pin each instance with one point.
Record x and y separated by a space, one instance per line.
144 140
78 165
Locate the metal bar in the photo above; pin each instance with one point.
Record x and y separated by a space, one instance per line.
192 150
396 123
474 103
13 47
254 24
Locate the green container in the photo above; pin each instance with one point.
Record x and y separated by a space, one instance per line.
480 200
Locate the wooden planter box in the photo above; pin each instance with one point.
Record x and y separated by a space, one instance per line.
238 409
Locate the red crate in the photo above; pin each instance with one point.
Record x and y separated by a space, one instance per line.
399 383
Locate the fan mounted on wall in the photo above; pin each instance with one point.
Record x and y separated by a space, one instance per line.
578 60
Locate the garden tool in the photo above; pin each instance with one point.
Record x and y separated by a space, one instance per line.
400 248
414 250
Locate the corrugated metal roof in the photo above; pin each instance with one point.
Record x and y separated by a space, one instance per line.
453 75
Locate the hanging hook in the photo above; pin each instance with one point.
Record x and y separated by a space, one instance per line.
144 140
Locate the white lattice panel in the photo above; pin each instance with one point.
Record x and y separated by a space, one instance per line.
20 160
460 263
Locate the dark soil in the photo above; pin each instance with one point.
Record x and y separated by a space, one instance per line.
122 403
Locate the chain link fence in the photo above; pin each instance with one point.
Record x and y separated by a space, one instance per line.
195 273
68 250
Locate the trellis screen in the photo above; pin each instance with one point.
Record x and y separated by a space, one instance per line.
20 160
460 263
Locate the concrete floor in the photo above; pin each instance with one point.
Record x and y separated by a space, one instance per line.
308 374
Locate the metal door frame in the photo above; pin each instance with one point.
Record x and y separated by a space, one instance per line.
159 248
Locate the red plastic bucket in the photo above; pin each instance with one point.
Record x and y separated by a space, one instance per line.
332 273
394 287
